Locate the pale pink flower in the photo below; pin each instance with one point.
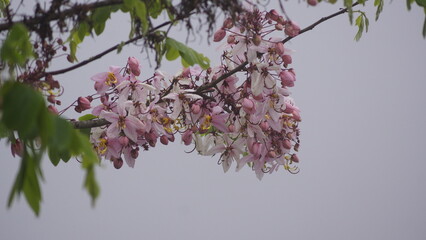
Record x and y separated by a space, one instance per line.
122 121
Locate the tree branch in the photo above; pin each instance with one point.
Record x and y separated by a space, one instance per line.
101 122
32 21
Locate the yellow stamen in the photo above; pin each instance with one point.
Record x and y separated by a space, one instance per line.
111 79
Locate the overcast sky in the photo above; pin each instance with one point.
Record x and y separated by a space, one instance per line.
363 151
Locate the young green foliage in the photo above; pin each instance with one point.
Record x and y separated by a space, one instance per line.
16 49
189 56
24 113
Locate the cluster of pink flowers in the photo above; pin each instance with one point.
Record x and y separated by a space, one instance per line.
248 118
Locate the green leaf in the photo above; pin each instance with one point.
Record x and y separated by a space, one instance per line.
421 3
424 27
83 30
360 23
17 48
73 50
87 117
409 2
21 109
189 55
172 54
99 18
379 4
348 5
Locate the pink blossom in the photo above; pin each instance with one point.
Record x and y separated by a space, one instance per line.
121 121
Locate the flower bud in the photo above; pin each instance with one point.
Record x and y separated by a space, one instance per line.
51 99
164 140
187 137
287 78
273 14
219 35
248 105
231 128
286 59
264 125
134 66
118 163
257 39
288 108
123 140
313 2
279 26
296 115
171 138
279 48
291 29
83 103
294 158
228 23
195 108
231 39
272 154
286 144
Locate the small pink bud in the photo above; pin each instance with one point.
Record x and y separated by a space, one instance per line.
134 66
171 138
279 26
51 99
231 128
273 14
287 59
248 105
287 78
272 154
279 48
286 144
123 140
291 29
264 125
52 109
83 103
231 39
187 137
219 35
296 115
195 108
313 2
294 158
164 140
118 163
289 108
228 23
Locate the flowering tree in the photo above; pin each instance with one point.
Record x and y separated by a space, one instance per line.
241 110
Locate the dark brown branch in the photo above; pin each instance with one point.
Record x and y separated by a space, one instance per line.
32 21
93 58
101 122
313 25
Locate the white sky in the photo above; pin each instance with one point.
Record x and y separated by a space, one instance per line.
363 152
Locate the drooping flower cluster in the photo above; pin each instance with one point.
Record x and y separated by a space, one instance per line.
245 118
